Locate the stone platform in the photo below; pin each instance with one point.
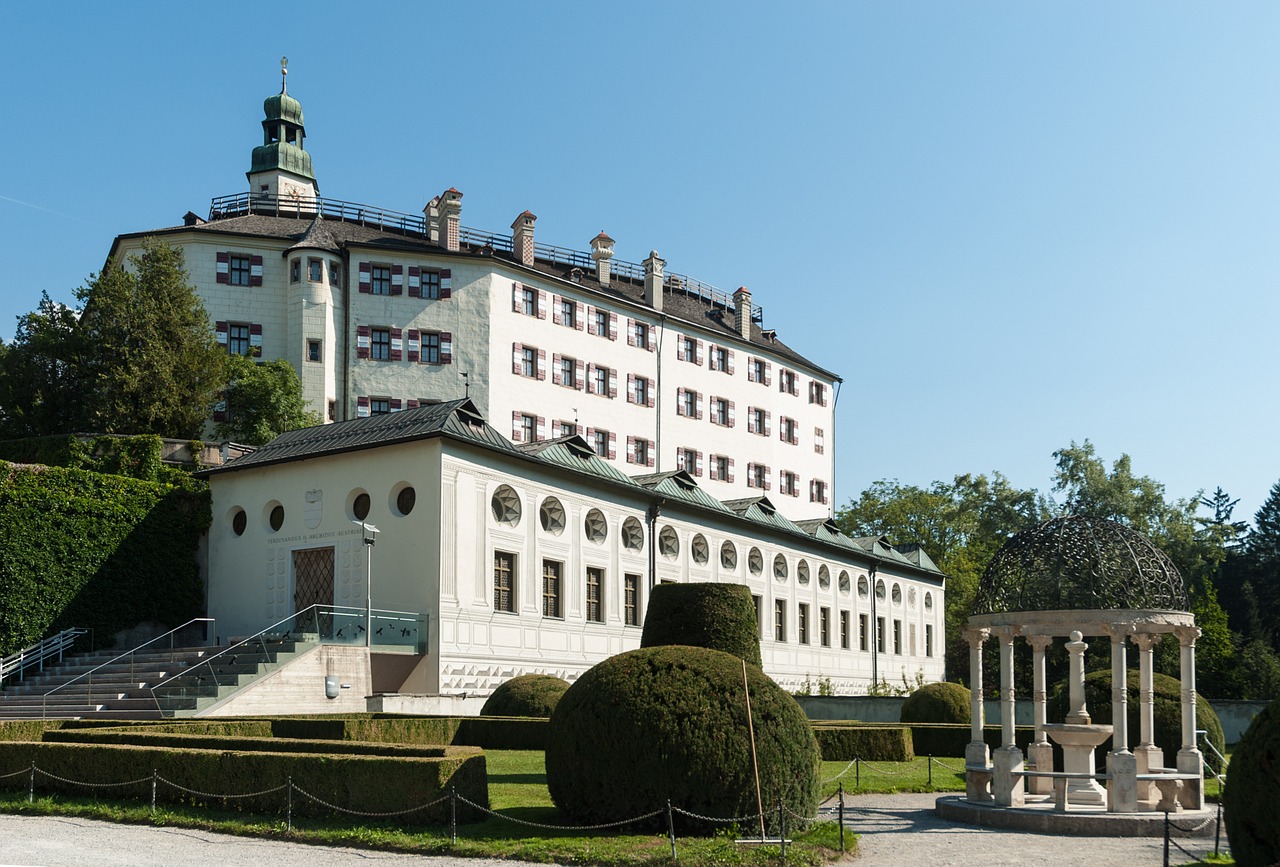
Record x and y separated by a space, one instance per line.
1039 816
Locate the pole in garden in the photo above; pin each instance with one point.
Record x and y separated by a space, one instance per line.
755 764
671 831
842 817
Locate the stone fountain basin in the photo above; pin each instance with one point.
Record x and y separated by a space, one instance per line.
1077 734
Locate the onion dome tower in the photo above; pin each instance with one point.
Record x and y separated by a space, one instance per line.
280 167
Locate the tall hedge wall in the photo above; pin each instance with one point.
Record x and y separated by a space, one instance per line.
137 457
79 548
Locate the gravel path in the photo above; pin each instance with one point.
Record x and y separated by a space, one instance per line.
902 829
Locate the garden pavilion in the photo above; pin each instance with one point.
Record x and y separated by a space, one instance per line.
1078 578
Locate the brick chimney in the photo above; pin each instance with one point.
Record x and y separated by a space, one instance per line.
450 215
522 238
602 252
431 219
742 312
653 280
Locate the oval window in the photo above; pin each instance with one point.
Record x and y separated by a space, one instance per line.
728 556
551 516
506 506
863 587
802 572
780 568
360 506
632 535
844 581
700 550
755 562
669 543
406 500
277 517
239 521
595 526
824 577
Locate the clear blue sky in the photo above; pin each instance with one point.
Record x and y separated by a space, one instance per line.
1006 225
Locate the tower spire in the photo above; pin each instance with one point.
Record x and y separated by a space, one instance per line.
284 73
280 166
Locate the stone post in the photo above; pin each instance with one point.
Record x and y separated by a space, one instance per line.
1190 760
1150 757
1007 762
1077 713
1040 753
977 784
1122 789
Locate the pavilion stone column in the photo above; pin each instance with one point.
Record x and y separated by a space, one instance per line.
1122 765
1190 759
1150 756
1040 753
1007 762
977 783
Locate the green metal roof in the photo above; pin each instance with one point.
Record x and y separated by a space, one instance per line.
679 485
573 452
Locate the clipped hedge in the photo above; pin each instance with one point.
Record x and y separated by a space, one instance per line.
839 743
371 783
1248 799
670 723
488 733
27 729
178 740
948 740
937 703
98 551
529 695
719 616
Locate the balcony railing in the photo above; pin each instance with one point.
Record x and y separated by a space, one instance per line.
243 204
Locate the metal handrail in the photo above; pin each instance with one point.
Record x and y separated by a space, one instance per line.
1222 760
89 674
19 661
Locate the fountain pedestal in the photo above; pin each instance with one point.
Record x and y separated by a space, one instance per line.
1078 741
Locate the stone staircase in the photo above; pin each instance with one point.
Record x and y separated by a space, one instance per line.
186 681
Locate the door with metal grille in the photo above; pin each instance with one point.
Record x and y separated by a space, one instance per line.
312 578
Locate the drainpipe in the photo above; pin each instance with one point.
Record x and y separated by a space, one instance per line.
835 404
652 517
875 626
657 387
348 338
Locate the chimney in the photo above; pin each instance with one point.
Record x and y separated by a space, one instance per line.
602 252
431 220
450 214
742 312
522 238
653 280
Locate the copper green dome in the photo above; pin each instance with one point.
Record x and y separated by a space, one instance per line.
1077 563
282 138
282 106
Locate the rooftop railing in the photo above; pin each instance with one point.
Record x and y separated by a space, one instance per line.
265 204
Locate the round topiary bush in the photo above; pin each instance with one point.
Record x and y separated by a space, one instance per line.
532 695
719 616
1252 810
937 703
665 723
1168 711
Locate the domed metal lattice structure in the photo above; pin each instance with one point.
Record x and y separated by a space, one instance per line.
1081 564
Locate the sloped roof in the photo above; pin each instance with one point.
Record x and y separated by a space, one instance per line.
574 453
679 485
317 237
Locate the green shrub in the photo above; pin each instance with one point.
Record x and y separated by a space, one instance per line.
948 740
719 616
1167 708
530 695
665 723
1248 799
26 729
503 734
869 743
937 703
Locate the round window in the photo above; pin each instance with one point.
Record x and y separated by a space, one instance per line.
802 572
406 499
700 550
551 516
239 521
863 587
824 577
506 506
879 589
595 526
928 602
669 543
360 507
277 517
844 581
728 556
632 535
780 568
755 562
897 595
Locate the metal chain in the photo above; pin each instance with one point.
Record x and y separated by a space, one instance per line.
1206 823
371 814
796 815
729 821
214 794
25 770
1182 850
872 767
90 785
842 773
558 827
942 764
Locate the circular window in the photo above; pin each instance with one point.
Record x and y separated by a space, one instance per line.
632 535
824 577
276 520
844 581
506 506
780 568
928 602
755 561
897 595
551 516
863 586
669 543
360 506
595 526
239 521
728 556
911 599
700 550
802 572
879 589
406 500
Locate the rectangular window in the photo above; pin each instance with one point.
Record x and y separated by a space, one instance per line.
720 411
759 475
529 427
789 483
379 406
595 611
802 623
380 344
818 491
688 404
880 634
504 582
928 639
721 466
335 273
642 390
601 377
430 286
568 371
568 428
787 382
295 271
759 421
315 271
601 318
818 393
787 430
689 349
759 370
430 347
824 627
631 599
720 359
640 451
601 442
528 361
844 630
241 268
897 636
381 280
755 601
687 460
529 298
818 440
314 348
779 620
551 570
238 339
568 312
641 335
862 632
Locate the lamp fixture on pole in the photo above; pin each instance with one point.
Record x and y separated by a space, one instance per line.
368 533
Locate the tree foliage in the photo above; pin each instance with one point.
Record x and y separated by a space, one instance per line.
263 401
